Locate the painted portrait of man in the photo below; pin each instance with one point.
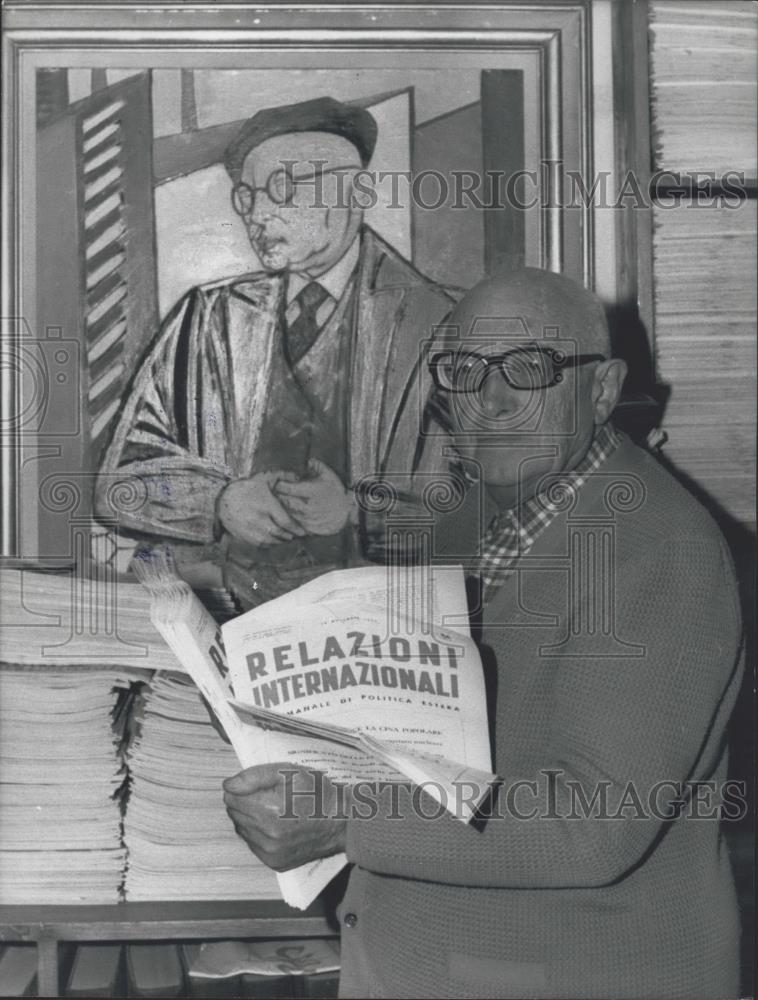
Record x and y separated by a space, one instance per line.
268 394
266 397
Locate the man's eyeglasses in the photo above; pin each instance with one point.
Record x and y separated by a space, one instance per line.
280 188
522 368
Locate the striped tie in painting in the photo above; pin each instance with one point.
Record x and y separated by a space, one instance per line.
105 254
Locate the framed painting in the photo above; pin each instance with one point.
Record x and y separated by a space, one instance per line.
487 137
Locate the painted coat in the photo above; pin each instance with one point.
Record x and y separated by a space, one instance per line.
193 417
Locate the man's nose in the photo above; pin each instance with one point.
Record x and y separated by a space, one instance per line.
498 399
254 228
262 210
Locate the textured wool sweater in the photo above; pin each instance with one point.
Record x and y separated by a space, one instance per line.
612 658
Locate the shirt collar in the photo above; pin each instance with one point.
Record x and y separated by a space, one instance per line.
334 280
533 513
604 443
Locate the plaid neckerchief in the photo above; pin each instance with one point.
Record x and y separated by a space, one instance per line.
511 533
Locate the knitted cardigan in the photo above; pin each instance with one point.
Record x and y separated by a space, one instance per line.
618 680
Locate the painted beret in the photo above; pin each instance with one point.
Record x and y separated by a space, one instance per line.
323 114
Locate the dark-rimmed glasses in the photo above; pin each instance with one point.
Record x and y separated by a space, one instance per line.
280 188
522 368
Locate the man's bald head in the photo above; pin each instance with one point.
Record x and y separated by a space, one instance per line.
549 305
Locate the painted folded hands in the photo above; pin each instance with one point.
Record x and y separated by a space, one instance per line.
277 506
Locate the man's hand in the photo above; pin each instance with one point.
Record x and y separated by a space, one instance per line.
320 503
288 816
251 512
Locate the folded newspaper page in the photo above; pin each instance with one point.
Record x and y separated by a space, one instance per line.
357 674
194 638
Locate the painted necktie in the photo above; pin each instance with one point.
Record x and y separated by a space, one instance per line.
303 331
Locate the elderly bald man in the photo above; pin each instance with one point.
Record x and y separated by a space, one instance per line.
608 622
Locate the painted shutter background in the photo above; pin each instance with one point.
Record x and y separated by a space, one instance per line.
96 289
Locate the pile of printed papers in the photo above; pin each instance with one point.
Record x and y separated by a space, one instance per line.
65 619
61 778
181 842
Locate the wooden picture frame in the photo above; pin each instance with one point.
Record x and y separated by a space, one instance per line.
575 118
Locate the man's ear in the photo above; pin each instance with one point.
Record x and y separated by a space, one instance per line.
606 389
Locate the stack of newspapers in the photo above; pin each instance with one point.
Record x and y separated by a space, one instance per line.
367 674
67 619
694 62
181 842
72 646
61 777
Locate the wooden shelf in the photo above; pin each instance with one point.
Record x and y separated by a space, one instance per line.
48 925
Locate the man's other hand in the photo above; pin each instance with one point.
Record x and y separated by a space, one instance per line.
287 815
321 503
250 510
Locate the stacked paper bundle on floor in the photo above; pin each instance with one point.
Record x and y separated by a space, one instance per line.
68 619
703 64
181 842
61 773
705 308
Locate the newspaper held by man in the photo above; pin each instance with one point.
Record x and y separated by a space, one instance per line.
356 674
409 691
